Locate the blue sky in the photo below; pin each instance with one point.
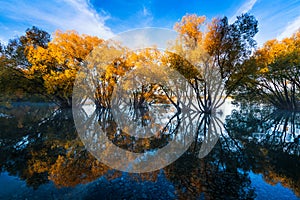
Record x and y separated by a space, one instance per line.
105 18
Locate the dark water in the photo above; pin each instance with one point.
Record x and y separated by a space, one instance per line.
42 157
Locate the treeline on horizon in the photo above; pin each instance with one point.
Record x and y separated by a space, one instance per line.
36 67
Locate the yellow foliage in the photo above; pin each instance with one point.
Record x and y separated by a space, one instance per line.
212 38
276 51
58 64
264 70
189 28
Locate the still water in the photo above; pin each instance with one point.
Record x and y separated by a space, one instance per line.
43 157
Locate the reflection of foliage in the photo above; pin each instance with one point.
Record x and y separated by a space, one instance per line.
270 143
47 148
139 145
44 146
18 138
191 175
194 178
77 166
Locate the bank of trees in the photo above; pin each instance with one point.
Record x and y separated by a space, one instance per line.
217 58
275 70
14 85
42 66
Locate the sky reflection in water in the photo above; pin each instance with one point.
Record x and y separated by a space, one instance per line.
43 156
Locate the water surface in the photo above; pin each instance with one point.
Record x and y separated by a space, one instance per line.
256 157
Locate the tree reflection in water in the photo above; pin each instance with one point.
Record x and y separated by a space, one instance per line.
43 146
271 145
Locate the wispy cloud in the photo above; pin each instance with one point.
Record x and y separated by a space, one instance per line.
278 19
145 16
290 28
76 15
146 12
246 7
146 37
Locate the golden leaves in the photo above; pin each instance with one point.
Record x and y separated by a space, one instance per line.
189 28
282 52
212 39
58 64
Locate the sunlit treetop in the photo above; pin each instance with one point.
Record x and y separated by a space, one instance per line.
190 29
275 53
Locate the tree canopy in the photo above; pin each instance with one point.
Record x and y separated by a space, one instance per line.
214 56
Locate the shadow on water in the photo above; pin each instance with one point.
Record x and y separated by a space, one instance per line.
40 146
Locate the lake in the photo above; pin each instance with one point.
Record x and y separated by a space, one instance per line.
255 156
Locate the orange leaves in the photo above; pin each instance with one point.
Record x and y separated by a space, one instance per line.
188 70
58 63
189 27
65 51
196 42
284 52
212 38
71 47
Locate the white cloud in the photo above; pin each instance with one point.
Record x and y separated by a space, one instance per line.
246 7
290 28
146 11
276 19
87 20
146 37
76 15
145 17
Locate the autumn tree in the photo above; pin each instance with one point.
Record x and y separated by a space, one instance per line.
102 69
57 64
189 29
144 90
111 66
14 84
230 44
217 53
276 70
16 49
